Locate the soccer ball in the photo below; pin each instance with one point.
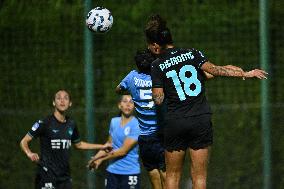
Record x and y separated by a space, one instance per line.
99 20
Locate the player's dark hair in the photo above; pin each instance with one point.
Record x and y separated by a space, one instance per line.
143 60
62 90
156 31
119 114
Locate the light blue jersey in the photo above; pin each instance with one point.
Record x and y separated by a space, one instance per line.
139 85
128 164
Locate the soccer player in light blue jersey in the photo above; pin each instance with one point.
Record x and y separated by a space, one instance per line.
123 171
139 85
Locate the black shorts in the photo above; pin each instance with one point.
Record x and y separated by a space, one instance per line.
116 181
193 132
46 180
152 152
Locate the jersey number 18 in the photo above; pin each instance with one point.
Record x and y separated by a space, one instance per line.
187 81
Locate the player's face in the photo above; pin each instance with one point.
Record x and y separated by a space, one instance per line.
126 105
154 48
62 101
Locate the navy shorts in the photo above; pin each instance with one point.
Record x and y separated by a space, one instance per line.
152 152
116 181
193 132
46 180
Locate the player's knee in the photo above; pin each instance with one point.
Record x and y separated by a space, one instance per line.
154 174
199 182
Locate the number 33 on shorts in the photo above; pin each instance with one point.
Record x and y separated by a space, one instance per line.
132 180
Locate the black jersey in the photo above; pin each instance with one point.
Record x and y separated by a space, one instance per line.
178 72
55 142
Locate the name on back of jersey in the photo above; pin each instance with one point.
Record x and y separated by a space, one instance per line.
142 83
176 60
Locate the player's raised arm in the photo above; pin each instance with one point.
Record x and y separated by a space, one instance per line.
232 71
24 144
120 90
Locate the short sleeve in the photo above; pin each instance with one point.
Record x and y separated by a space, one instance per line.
134 131
125 83
110 127
75 138
37 129
199 58
156 75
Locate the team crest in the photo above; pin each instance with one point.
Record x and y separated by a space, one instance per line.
70 131
127 131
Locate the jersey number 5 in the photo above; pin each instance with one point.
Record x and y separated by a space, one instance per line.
146 94
187 81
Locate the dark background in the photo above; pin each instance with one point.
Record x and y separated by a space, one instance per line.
41 51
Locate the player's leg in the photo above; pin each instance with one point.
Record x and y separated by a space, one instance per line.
174 163
163 177
199 162
155 178
112 181
153 159
67 184
44 179
202 139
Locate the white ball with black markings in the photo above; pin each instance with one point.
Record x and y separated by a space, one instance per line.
99 20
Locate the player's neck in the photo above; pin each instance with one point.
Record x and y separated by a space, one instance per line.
59 116
125 120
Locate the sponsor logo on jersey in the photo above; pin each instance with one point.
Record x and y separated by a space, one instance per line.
55 130
58 144
127 131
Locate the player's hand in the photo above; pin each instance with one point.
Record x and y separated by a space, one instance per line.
34 157
258 73
94 163
107 147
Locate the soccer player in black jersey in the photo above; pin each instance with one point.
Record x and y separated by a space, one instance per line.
178 75
56 133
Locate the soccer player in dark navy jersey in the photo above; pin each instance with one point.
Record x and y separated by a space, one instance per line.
56 133
138 84
178 76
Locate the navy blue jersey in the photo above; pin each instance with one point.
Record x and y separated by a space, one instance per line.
178 72
55 142
139 85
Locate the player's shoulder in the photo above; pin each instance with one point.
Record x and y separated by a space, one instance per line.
41 123
70 120
133 72
135 121
115 120
185 50
156 61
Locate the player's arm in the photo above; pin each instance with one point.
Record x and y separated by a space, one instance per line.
120 90
24 144
158 95
89 146
101 153
128 144
232 71
208 75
